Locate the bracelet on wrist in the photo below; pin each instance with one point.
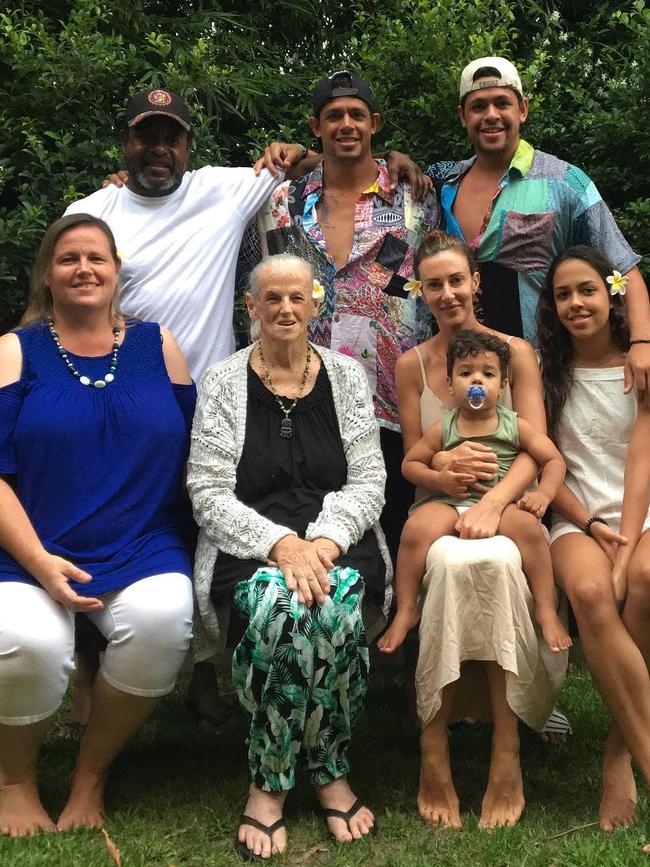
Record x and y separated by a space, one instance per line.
595 519
632 342
303 152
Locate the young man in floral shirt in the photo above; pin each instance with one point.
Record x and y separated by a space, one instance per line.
359 232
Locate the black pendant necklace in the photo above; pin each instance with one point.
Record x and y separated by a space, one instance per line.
86 380
286 425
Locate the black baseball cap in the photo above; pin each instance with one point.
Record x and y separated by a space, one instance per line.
157 101
337 84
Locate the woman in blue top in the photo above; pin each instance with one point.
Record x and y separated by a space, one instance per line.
95 412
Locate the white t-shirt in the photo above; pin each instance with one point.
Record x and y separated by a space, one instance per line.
179 253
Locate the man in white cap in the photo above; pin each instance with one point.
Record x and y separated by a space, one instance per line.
518 208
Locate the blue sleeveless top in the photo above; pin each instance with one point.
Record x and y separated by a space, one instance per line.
99 471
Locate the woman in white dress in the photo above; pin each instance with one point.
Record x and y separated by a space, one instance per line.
480 655
603 437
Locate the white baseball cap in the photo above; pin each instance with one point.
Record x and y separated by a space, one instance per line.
508 76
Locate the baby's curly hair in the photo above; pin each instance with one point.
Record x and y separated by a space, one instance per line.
468 342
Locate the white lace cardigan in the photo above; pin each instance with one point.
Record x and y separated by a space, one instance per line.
227 524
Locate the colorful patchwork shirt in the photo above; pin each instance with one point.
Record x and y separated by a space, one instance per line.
367 312
542 206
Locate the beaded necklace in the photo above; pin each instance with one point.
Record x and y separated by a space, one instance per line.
86 380
286 425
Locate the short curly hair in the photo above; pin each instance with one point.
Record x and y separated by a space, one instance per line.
468 342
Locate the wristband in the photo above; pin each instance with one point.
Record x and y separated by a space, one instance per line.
595 519
632 342
303 151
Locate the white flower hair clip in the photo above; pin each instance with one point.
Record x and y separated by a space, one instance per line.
414 288
317 292
617 283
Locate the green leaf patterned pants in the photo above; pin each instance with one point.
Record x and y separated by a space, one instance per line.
301 674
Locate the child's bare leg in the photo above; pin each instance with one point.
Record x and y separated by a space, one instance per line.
427 524
526 532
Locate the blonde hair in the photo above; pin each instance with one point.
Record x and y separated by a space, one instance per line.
40 305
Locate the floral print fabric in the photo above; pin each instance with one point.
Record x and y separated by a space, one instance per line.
301 675
367 312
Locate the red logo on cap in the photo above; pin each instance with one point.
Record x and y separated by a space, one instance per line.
159 97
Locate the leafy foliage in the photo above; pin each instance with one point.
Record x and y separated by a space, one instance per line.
246 69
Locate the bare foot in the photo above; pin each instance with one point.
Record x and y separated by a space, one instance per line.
21 811
85 807
338 795
437 799
405 620
503 802
267 808
554 633
618 803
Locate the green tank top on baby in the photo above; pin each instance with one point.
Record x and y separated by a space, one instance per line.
504 442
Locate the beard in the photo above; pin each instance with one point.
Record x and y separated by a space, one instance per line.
154 186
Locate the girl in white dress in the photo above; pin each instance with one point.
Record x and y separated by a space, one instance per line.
600 547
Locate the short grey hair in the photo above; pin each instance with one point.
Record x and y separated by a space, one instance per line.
284 261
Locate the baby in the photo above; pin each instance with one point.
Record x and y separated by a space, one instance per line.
477 371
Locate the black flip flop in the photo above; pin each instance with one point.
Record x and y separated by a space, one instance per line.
242 849
346 815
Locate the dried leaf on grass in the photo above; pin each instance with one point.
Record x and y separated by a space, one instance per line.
111 848
571 830
306 856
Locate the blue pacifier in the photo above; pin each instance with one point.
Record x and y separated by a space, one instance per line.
476 395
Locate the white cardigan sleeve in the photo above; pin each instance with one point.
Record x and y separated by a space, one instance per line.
211 475
347 514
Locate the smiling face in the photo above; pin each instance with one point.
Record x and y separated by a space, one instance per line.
481 369
345 127
156 152
492 118
448 287
82 271
581 298
283 303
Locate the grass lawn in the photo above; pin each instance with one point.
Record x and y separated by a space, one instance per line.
175 795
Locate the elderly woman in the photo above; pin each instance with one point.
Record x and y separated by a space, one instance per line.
286 479
95 413
479 654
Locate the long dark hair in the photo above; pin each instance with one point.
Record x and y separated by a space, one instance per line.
555 346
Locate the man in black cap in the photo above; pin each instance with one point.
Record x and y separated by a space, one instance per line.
178 232
359 231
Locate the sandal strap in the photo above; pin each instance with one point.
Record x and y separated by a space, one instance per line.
269 830
346 815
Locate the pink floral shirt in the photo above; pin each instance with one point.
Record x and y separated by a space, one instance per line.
367 313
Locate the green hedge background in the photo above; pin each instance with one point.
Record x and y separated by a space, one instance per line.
246 68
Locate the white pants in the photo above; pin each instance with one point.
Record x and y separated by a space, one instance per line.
148 626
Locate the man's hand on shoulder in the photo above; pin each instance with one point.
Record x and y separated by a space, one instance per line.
401 167
118 179
292 159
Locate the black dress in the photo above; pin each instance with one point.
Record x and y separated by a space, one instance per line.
286 480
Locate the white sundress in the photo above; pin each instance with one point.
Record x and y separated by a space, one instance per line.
476 605
595 452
